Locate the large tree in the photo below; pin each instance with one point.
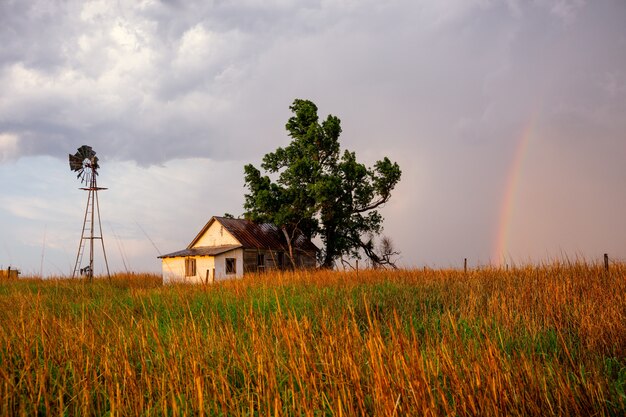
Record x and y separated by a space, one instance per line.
311 188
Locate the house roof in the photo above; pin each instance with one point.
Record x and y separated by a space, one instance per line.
250 235
202 251
261 236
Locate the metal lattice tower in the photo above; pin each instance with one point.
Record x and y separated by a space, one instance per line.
85 162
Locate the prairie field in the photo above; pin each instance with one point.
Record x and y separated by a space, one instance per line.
530 340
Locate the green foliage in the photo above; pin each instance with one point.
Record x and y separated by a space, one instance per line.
319 190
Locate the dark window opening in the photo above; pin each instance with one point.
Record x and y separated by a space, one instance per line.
231 266
260 261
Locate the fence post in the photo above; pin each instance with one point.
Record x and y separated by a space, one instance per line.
606 262
465 265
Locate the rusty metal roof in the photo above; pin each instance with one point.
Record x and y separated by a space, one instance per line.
262 236
202 251
257 236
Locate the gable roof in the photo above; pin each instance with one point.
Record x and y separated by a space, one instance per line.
250 235
262 235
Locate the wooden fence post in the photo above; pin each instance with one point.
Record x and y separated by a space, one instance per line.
606 262
465 265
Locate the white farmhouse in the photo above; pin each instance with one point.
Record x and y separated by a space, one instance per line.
229 248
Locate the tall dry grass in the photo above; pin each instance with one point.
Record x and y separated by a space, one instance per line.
547 340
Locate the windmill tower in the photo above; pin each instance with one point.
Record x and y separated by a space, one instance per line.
85 162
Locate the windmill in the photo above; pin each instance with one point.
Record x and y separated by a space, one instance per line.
85 163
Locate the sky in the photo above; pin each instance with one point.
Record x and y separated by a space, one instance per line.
505 116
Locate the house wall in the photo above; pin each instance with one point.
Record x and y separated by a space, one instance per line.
220 265
173 269
204 270
216 235
306 260
250 260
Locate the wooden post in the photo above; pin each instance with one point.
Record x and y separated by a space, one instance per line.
606 262
465 265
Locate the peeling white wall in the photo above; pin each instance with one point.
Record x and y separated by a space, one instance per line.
216 235
220 265
174 268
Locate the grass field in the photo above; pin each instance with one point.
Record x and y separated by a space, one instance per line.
547 340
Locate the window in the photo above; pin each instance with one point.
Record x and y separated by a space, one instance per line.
231 266
190 267
280 259
260 261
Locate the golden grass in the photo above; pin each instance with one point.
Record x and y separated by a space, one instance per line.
547 340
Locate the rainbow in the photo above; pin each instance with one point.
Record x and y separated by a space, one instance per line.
508 202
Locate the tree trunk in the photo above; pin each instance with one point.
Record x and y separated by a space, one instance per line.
289 247
329 257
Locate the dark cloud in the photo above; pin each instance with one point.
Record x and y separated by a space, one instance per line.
35 33
178 79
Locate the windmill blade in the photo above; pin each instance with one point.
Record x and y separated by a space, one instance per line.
84 162
86 152
76 162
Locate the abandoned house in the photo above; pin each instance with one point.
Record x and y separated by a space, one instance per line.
229 248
